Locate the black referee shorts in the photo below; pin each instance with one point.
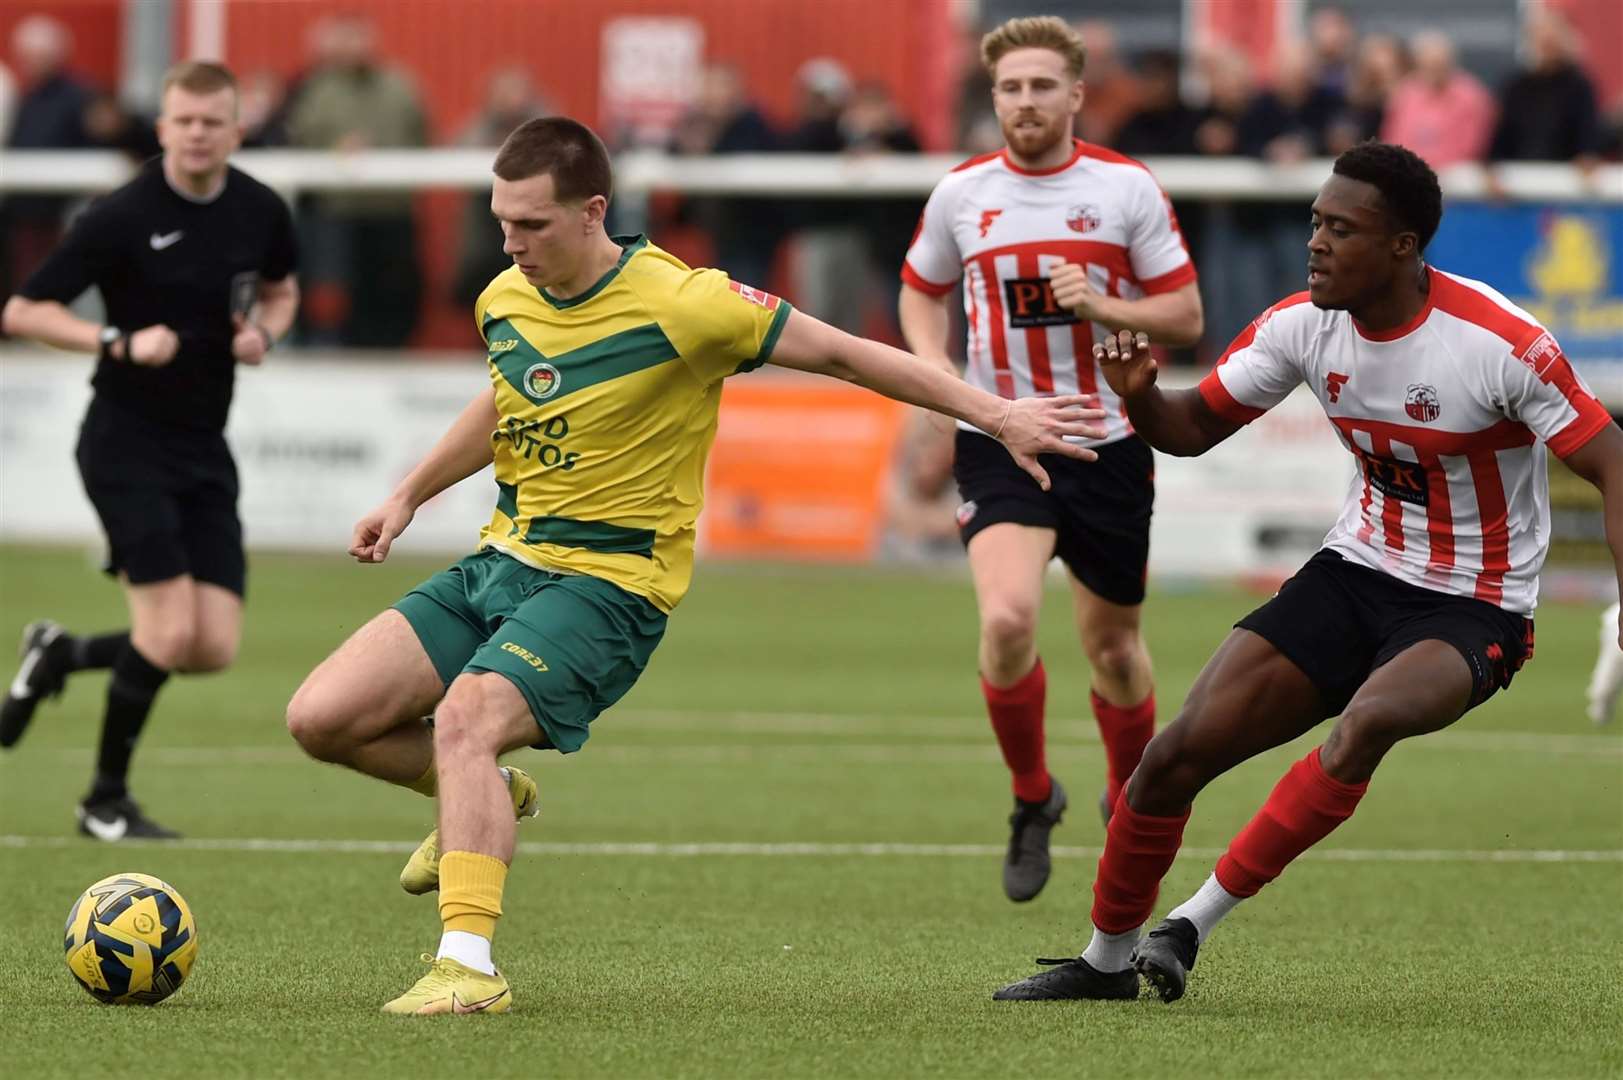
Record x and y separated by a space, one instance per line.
1339 621
166 496
1099 510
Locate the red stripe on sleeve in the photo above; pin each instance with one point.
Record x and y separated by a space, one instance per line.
922 284
1169 281
1223 403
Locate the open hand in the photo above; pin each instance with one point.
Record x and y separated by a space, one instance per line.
375 532
1125 359
1039 425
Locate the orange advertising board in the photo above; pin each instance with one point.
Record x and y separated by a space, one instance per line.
799 469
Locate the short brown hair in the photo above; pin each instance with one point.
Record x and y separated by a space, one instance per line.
199 77
1034 32
564 149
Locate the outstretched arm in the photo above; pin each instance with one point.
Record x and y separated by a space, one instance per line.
1026 427
1600 461
463 450
1177 422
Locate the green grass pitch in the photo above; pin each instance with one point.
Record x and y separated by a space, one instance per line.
831 709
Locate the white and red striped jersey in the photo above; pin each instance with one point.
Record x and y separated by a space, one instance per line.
1004 229
1447 418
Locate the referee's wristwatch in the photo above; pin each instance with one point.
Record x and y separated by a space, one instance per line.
106 339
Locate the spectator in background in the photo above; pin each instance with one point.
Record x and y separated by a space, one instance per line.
1287 122
1333 45
110 126
365 241
1229 92
723 120
873 124
263 110
921 502
1163 124
829 250
1547 112
50 115
1382 64
1440 111
511 97
1111 94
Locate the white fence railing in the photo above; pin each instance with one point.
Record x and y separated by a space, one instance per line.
788 175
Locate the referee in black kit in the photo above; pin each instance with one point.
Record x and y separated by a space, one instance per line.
195 261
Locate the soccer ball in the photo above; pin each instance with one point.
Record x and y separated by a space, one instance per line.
130 940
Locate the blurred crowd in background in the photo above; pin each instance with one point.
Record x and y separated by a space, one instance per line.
836 258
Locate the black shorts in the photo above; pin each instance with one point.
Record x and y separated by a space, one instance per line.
1339 621
1099 510
166 496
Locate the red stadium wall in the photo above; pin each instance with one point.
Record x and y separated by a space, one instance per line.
97 28
449 48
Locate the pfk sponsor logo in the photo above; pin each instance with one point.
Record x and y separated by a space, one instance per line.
1083 218
1420 402
987 217
1030 302
1395 478
1333 382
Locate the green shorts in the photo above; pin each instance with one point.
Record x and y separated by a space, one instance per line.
572 644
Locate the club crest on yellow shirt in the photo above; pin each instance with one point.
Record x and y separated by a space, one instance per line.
541 381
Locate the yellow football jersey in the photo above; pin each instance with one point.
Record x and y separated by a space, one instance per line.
607 405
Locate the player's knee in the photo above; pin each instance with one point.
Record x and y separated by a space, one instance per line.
167 644
317 725
1008 627
1171 773
1359 740
212 652
1115 655
466 724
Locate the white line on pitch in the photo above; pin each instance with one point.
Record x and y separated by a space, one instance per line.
827 850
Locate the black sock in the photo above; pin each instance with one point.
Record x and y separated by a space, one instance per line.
94 653
134 684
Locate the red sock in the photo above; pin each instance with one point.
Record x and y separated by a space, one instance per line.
1017 718
1304 807
1125 733
1138 851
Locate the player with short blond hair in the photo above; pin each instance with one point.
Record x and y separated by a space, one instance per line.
1058 243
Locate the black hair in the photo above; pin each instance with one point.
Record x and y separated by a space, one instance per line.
1407 184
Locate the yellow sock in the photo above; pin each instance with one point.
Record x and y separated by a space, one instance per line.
428 783
471 892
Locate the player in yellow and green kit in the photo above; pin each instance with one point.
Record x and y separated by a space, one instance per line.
606 357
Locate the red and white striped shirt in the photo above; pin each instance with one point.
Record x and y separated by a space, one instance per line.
1004 229
1447 417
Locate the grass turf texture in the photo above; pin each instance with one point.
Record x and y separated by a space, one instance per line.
803 705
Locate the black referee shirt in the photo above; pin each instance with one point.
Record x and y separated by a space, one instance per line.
159 257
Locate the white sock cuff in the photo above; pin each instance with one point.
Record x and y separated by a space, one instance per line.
469 950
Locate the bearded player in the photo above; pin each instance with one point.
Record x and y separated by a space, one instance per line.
1058 243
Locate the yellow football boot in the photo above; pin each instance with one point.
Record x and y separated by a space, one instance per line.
422 871
452 988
